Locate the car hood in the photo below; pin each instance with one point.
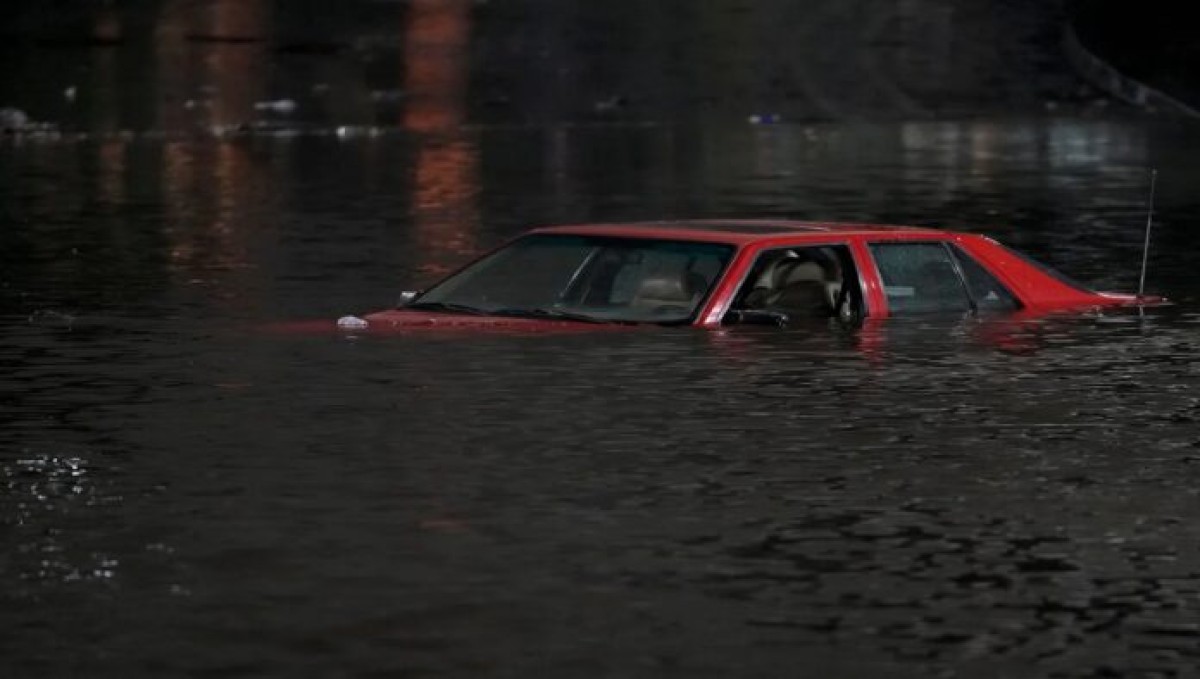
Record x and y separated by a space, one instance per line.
405 320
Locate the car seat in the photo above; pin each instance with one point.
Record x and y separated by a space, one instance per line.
801 288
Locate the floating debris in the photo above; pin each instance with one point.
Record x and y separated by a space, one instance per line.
352 323
387 96
764 119
13 119
356 131
257 128
15 122
51 319
610 105
280 106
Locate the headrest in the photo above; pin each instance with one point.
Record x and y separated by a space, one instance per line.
795 270
766 278
667 286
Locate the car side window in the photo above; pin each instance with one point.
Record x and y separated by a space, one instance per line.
919 277
817 281
988 293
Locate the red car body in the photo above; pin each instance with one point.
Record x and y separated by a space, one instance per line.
1034 289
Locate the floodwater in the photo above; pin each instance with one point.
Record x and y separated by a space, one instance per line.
183 495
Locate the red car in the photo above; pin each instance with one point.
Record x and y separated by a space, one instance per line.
715 273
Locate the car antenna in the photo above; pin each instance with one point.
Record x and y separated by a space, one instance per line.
1146 242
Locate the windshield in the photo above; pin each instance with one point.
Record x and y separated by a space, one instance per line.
587 278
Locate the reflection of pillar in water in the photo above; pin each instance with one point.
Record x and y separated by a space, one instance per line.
104 115
110 170
444 211
212 61
933 157
179 204
214 55
436 64
171 59
217 204
236 63
437 67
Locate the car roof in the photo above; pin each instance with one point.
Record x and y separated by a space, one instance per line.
738 231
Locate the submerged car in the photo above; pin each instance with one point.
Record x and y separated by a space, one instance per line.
714 273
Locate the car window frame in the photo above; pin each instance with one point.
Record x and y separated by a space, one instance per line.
954 252
759 253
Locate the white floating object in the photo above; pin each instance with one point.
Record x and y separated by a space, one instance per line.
281 106
352 323
13 119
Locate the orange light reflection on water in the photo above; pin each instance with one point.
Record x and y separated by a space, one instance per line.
213 67
446 178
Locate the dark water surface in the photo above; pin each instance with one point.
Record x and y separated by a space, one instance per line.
181 494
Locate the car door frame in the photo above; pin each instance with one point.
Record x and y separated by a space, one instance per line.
950 243
738 271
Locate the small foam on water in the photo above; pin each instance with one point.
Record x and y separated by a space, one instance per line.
352 323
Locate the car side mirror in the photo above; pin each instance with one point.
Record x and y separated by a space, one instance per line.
407 296
755 317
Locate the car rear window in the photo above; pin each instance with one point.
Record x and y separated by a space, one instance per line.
1048 270
988 293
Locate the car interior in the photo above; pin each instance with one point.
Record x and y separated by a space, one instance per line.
646 284
802 283
677 289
